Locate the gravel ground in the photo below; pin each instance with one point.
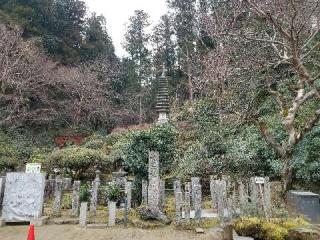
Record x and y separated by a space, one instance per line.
71 232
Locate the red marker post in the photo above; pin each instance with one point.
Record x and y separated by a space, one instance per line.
31 233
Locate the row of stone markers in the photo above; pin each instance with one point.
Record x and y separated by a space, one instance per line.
228 197
58 191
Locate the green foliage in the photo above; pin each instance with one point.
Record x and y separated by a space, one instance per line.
85 192
75 160
114 192
225 147
273 229
134 148
306 160
64 31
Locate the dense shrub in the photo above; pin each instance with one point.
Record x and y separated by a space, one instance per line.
75 160
273 229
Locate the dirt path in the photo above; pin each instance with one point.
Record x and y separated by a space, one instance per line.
70 232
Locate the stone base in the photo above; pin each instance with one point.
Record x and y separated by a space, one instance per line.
39 221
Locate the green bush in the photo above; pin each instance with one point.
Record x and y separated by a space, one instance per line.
272 229
114 192
75 160
85 192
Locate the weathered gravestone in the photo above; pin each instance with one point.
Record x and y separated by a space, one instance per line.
154 180
128 190
144 188
94 194
194 181
56 208
178 203
83 214
75 199
23 197
197 202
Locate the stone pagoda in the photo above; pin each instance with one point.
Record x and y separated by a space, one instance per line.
162 106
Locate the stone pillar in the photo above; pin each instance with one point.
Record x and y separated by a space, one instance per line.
154 180
83 214
254 192
56 210
243 194
197 201
128 190
194 181
94 194
176 187
221 196
75 199
187 187
178 202
187 206
213 191
162 194
144 192
49 189
267 195
112 213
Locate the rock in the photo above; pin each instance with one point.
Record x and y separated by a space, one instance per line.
153 213
304 234
199 230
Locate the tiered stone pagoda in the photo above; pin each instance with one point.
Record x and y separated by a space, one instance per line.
162 106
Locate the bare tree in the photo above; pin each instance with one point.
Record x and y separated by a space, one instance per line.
265 43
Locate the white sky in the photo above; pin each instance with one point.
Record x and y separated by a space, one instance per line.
117 13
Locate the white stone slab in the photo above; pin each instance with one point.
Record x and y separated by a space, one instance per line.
23 197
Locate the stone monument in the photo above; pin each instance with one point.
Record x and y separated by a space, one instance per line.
23 197
154 180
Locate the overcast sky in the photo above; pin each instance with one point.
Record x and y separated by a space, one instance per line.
117 13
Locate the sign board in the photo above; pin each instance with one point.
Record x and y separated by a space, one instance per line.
259 180
33 168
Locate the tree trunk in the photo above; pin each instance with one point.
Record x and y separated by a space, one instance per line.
287 177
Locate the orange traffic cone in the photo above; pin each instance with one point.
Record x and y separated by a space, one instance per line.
31 233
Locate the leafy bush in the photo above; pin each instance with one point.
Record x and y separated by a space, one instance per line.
85 192
272 229
75 160
114 192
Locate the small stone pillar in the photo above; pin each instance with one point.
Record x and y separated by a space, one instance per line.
254 193
194 181
213 192
56 210
176 187
162 194
267 195
178 202
154 180
221 196
83 214
187 206
197 201
75 199
128 190
112 213
144 189
243 194
94 194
